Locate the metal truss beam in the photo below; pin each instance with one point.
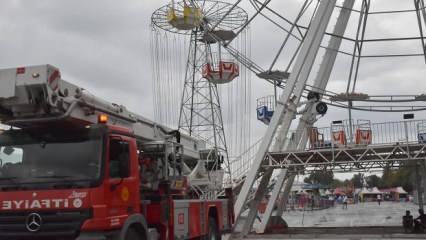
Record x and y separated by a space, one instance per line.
421 13
368 156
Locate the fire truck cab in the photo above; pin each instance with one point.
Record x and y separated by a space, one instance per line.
73 166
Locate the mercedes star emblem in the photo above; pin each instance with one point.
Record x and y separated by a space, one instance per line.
33 222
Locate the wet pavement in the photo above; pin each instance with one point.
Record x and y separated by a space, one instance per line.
358 222
361 214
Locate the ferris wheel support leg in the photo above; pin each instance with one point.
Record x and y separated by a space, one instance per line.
277 221
272 200
307 119
421 12
324 72
254 205
420 192
323 76
423 170
282 204
293 91
302 77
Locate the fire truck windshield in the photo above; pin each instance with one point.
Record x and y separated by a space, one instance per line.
28 158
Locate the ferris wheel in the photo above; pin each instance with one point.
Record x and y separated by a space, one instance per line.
302 82
304 93
360 46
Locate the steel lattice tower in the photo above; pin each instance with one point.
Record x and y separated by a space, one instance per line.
200 114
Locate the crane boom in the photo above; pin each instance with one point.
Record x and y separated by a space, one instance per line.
37 96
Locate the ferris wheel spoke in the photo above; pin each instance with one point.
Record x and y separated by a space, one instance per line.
204 4
206 12
181 4
219 12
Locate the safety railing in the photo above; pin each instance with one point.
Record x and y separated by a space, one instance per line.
362 133
241 164
214 58
265 108
268 101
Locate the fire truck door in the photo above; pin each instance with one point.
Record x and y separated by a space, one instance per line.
121 189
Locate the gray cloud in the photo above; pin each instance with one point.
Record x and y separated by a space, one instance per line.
104 46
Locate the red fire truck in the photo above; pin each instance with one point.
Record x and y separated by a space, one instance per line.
73 166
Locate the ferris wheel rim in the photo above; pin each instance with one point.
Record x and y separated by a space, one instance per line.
236 19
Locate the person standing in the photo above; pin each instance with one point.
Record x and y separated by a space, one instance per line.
420 222
345 202
379 198
407 222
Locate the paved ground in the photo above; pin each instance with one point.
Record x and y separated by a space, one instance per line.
359 221
362 214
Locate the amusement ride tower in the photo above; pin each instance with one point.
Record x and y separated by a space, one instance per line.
207 67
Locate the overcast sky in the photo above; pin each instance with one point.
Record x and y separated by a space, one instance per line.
103 45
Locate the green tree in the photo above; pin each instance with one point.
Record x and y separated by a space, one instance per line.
336 183
322 177
403 176
387 178
373 181
357 180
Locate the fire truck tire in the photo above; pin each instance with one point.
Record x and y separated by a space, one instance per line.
134 227
214 233
133 234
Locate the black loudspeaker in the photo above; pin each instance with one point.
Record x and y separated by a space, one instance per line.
321 108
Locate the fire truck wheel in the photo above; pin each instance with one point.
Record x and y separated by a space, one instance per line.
213 230
133 234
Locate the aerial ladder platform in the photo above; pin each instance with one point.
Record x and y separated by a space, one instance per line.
37 96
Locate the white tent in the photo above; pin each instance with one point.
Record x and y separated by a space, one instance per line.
373 190
400 190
